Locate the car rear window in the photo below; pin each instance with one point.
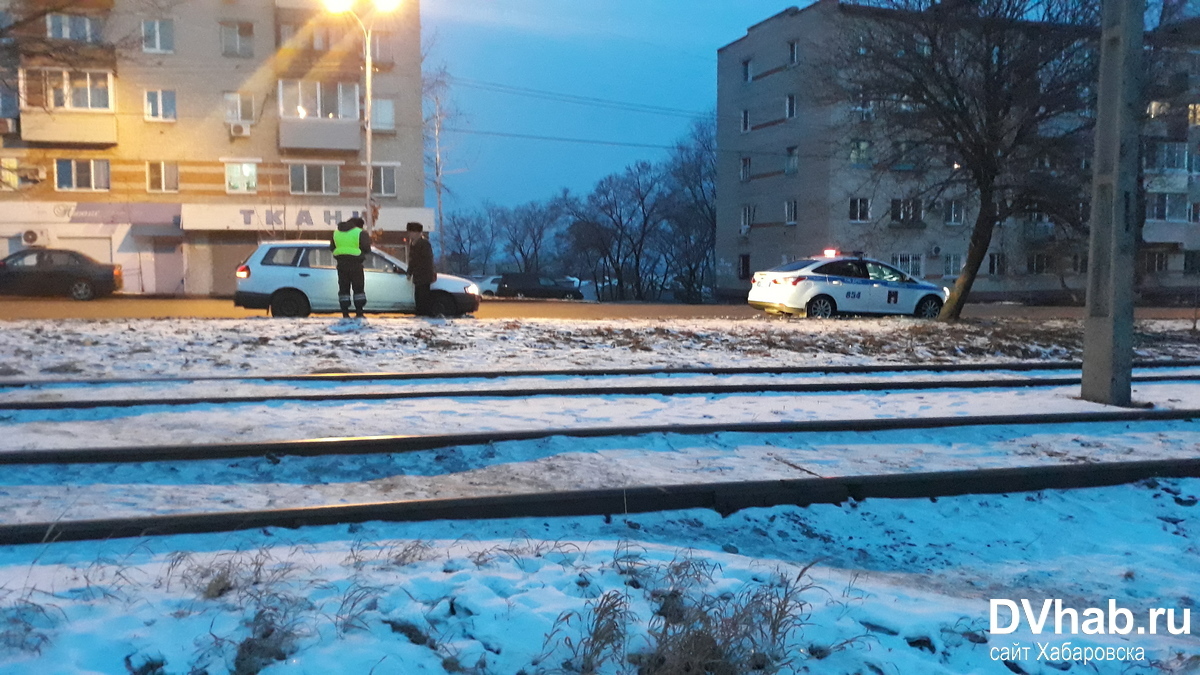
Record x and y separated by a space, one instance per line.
282 256
793 266
842 268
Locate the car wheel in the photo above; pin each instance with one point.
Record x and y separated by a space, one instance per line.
928 308
489 294
443 304
574 295
83 289
821 307
290 304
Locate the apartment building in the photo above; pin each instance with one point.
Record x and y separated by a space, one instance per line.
797 175
171 138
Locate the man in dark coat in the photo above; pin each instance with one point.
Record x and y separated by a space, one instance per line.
350 245
420 266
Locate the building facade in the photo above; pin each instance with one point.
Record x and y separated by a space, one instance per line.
171 138
796 176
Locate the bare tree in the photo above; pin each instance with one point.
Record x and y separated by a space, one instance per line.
527 231
691 213
440 112
468 242
976 94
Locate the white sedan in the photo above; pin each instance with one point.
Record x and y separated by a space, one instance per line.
834 285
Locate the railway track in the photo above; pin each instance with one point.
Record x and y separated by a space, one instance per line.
724 498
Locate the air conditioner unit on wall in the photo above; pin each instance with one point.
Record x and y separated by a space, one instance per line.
239 129
35 238
8 126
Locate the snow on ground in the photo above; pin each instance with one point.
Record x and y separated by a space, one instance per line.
904 585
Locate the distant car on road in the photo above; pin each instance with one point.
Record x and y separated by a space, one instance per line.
833 285
487 285
298 278
52 271
527 285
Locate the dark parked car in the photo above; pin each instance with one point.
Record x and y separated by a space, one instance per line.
534 286
48 271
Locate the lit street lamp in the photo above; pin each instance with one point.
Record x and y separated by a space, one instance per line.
347 7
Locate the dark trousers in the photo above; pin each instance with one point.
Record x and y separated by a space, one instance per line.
351 276
421 295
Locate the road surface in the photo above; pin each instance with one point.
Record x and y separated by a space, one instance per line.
118 307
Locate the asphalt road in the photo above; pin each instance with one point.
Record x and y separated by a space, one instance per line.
205 308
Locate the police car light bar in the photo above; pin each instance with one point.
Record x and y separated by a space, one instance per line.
831 253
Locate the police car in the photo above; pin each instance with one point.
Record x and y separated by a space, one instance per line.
298 278
838 284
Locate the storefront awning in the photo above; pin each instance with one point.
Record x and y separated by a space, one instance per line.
111 213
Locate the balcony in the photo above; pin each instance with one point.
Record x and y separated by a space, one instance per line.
67 126
320 134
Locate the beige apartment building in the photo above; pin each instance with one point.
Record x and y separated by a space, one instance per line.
794 181
171 138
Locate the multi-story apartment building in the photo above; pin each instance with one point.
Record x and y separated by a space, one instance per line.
797 175
171 137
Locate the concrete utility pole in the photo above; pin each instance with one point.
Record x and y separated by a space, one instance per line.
1108 328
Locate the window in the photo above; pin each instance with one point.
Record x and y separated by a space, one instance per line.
74 27
381 47
843 268
789 106
160 105
997 264
744 171
162 177
791 160
1154 261
954 211
315 179
9 180
793 52
1038 263
237 39
81 174
1194 115
745 121
881 272
239 107
72 90
747 70
860 152
1167 156
747 219
953 264
383 181
789 212
909 263
10 104
1166 206
241 177
1194 212
319 258
1191 262
1158 108
904 155
283 256
383 114
906 210
1079 263
860 210
320 100
744 266
158 36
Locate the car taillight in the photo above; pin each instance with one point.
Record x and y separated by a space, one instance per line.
243 272
796 280
118 272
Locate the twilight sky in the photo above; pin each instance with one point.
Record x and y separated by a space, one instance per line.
659 53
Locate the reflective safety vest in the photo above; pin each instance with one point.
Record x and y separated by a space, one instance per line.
346 243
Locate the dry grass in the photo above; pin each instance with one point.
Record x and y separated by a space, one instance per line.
601 637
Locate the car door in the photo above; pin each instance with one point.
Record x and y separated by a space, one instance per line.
277 269
388 287
892 291
847 283
548 288
317 277
19 274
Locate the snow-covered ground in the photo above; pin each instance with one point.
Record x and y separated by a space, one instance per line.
903 585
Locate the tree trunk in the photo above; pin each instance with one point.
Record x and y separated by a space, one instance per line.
981 238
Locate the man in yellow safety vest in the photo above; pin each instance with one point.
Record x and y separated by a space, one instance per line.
350 245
